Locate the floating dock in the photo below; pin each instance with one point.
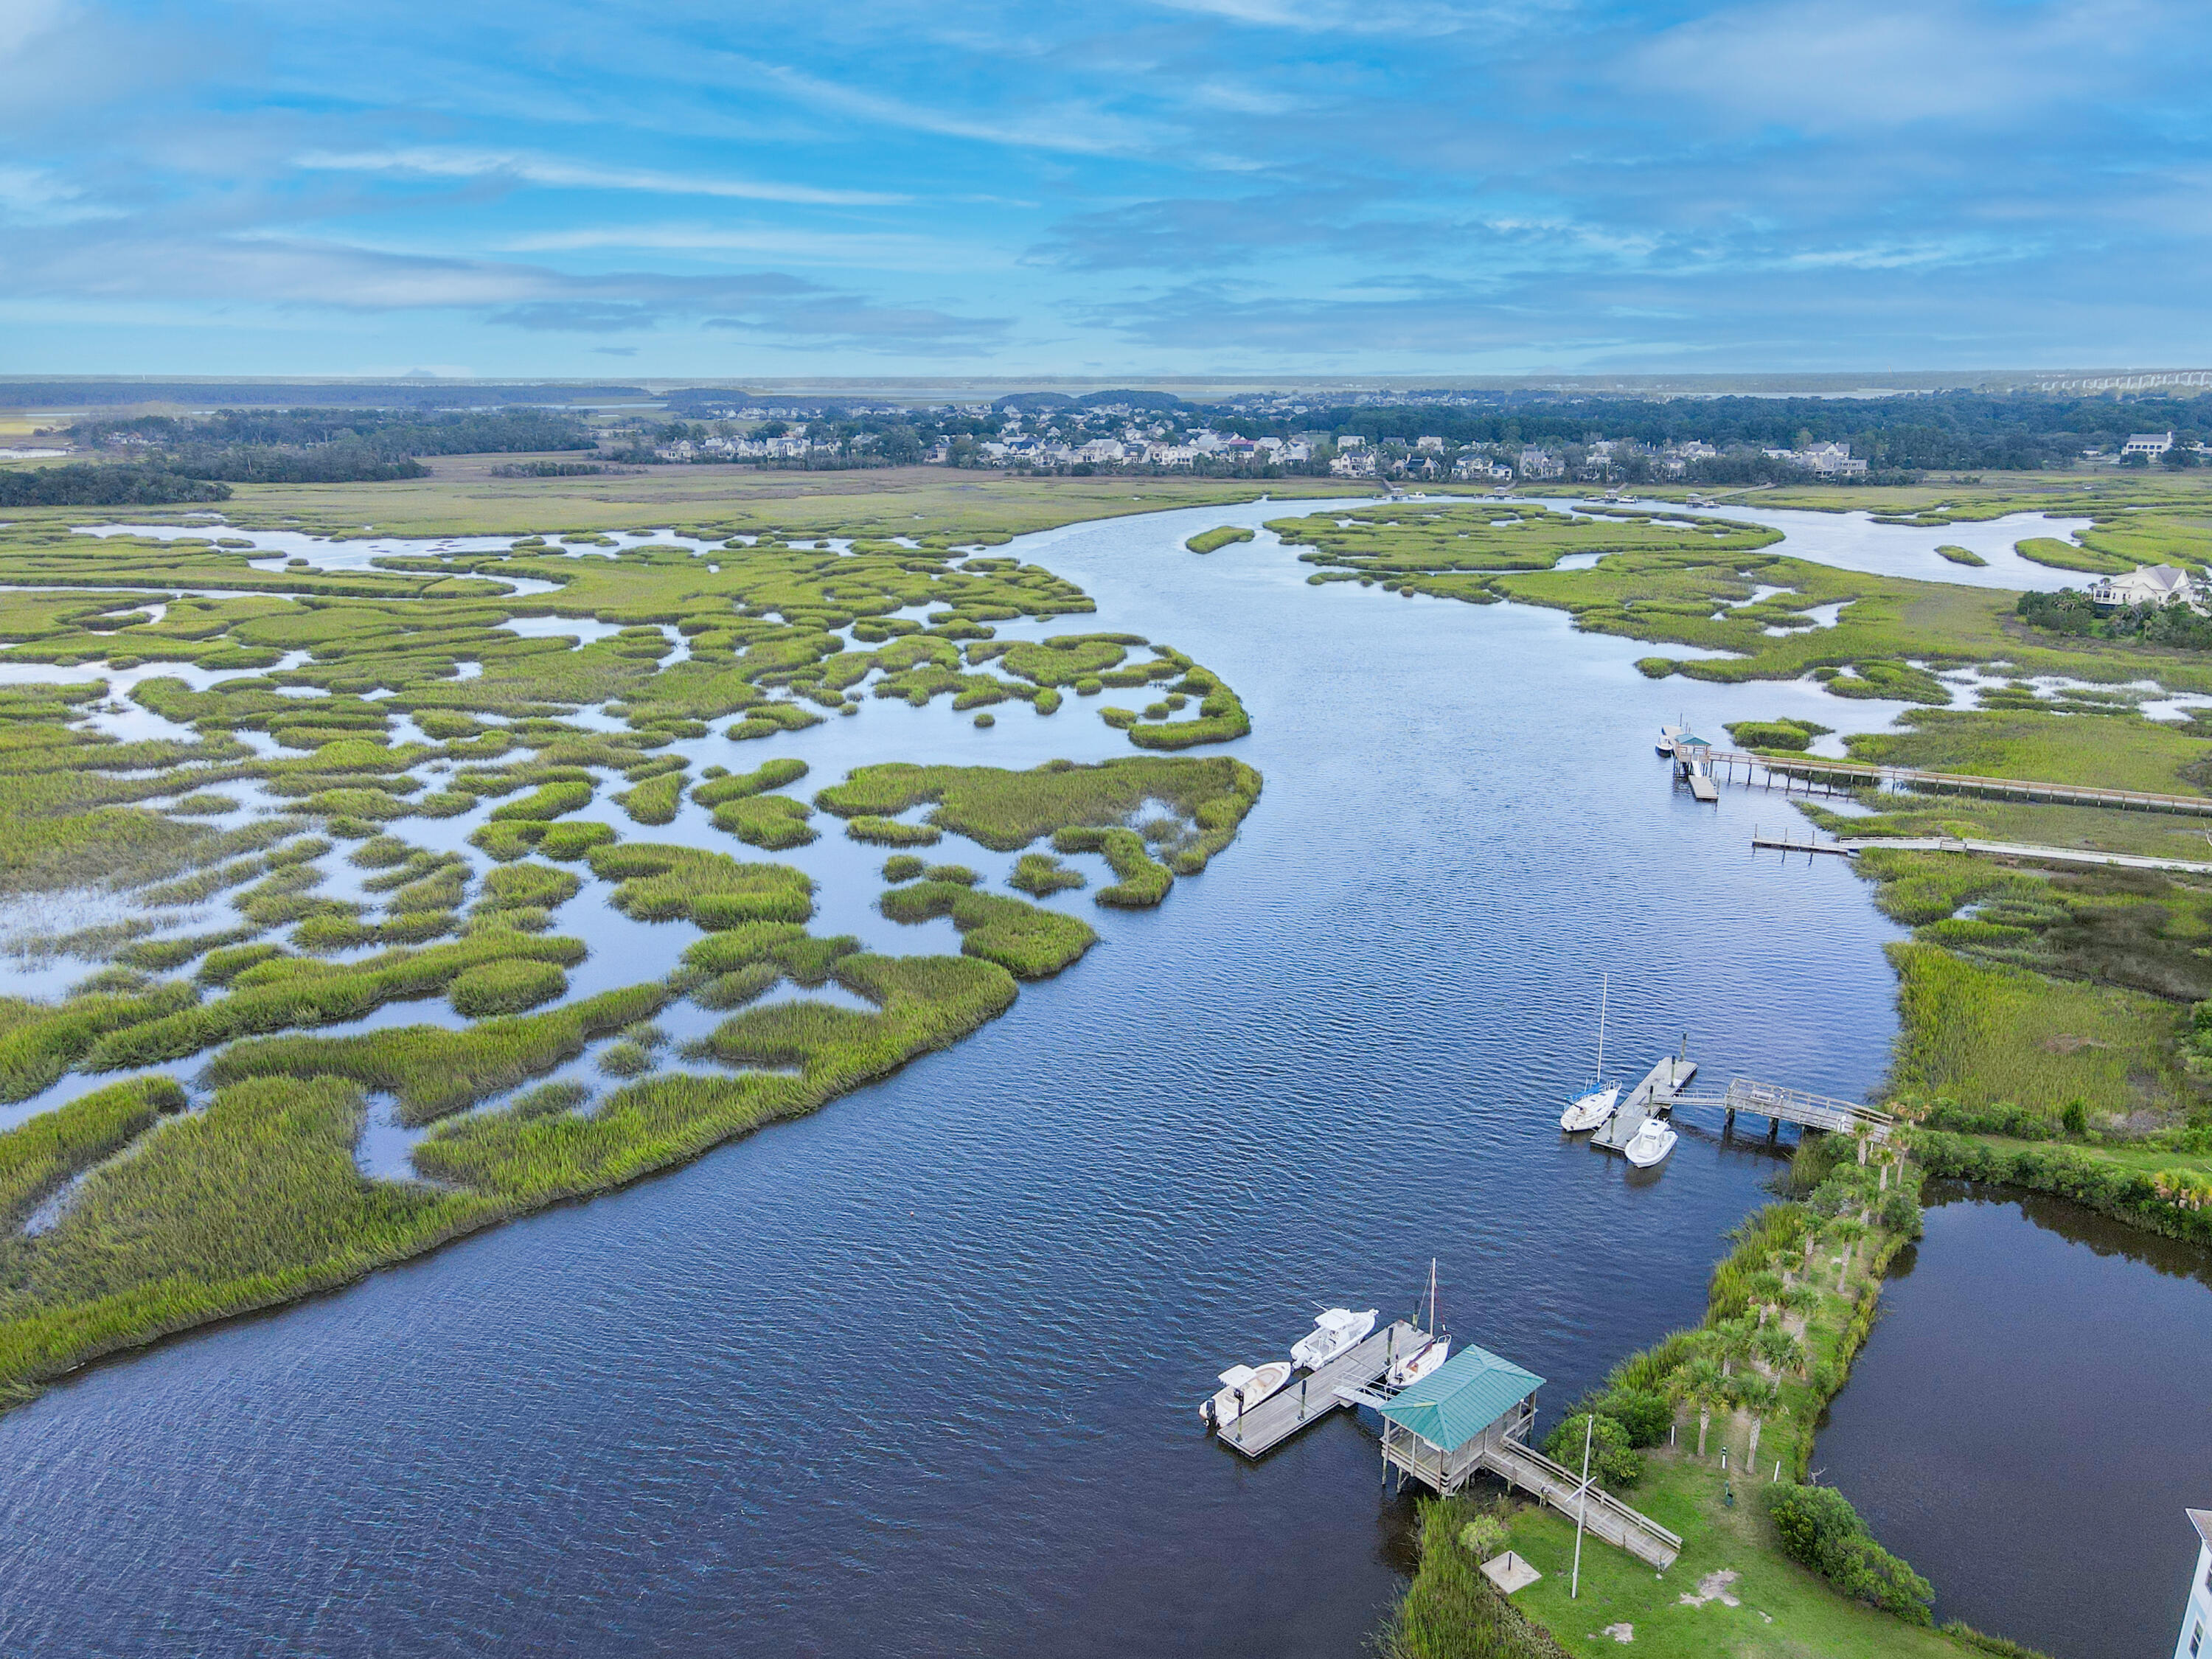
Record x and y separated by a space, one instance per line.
1652 1097
1309 1398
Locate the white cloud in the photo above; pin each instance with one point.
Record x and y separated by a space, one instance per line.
436 162
34 195
764 242
1850 65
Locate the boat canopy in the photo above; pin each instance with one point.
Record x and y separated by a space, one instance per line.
1464 1397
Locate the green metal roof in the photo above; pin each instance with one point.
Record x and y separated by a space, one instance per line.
1464 1397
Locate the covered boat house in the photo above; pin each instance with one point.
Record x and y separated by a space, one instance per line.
1445 1427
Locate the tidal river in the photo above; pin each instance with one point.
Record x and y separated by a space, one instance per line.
918 1375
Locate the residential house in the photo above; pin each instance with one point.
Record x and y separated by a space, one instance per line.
2156 584
1540 464
2149 444
2196 1615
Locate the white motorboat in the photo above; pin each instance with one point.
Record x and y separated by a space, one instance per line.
1666 744
1654 1138
1426 1356
1592 1109
1244 1386
1335 1332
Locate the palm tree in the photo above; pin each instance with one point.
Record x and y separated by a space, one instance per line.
1780 1350
1766 1288
1848 1233
1732 1340
1704 1385
1762 1401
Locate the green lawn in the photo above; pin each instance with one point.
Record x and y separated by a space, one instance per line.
1785 1611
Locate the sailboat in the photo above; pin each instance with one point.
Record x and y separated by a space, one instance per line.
1594 1108
1654 1138
1414 1366
1244 1386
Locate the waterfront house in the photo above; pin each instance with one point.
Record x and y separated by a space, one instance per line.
2156 584
2197 1616
2147 444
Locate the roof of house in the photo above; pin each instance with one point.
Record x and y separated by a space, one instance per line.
2201 1519
2156 578
1467 1394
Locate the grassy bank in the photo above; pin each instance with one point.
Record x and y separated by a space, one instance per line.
1788 1310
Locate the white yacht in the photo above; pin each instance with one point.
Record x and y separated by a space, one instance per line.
1424 1357
1666 744
1335 1332
1654 1138
1593 1109
1244 1386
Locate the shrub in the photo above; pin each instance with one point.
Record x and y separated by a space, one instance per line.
1818 1527
506 987
1643 1415
1483 1537
1614 1463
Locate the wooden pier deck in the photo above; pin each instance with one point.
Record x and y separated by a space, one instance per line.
1809 774
1779 1104
1653 1094
1307 1399
1851 847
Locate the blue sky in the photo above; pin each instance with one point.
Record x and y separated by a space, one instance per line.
1156 187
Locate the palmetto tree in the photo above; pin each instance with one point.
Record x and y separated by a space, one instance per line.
1732 1340
1847 1234
1766 1288
1780 1351
1763 1400
1704 1385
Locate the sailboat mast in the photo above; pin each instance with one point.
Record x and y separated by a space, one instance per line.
1605 986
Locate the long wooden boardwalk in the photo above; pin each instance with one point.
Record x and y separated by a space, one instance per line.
1307 1399
1807 775
1779 1104
1851 847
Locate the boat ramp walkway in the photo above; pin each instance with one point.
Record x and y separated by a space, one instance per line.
1263 1427
1851 847
1780 1105
1605 1515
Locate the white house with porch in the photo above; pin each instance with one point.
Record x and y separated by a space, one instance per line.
2196 1617
2152 584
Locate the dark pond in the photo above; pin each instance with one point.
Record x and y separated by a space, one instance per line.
918 1374
2031 1416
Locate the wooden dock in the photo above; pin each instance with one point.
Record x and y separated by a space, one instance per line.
1851 847
1779 1105
1806 775
1309 1398
1651 1097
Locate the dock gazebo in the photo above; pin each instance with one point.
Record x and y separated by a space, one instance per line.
1444 1428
